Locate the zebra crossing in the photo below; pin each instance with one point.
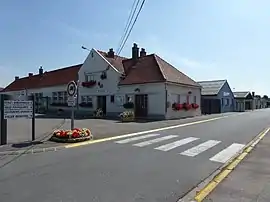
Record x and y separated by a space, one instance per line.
153 139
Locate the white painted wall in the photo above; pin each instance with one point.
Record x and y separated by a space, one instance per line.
47 91
94 64
173 90
156 96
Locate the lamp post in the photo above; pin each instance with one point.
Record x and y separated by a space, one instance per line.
85 48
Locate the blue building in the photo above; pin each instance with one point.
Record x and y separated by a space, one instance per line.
217 97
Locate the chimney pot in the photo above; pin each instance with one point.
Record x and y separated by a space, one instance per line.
135 51
111 53
40 70
30 74
142 52
16 77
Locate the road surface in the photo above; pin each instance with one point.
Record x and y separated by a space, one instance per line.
153 167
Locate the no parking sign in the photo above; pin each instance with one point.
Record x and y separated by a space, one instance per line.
71 88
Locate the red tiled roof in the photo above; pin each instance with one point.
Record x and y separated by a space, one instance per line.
152 68
116 61
51 78
172 74
144 70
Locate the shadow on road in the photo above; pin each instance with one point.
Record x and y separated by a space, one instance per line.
26 144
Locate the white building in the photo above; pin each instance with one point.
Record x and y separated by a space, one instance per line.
107 81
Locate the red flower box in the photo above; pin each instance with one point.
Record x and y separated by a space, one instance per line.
177 106
195 106
88 84
187 106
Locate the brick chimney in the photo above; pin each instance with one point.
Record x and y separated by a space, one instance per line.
30 74
16 78
40 71
135 52
110 54
142 52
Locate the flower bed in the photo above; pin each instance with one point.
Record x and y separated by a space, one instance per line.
127 116
70 136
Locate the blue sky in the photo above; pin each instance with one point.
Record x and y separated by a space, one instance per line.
209 39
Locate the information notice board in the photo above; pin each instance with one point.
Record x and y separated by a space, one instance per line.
14 109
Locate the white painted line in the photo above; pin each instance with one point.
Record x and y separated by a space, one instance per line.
227 153
136 138
200 148
175 144
145 143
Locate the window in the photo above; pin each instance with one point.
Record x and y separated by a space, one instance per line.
59 97
86 99
222 101
89 78
128 98
178 99
228 102
83 98
89 99
112 98
194 100
187 99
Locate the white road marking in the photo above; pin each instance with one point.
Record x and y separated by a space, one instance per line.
175 144
200 148
145 143
136 138
227 153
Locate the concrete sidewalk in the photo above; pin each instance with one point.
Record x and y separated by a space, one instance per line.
250 181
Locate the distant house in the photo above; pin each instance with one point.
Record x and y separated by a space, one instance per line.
244 100
1 89
260 102
108 81
217 97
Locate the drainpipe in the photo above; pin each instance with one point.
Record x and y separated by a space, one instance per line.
166 99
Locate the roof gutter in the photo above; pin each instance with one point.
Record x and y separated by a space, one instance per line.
184 85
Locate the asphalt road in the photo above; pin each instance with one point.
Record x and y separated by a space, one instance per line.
127 171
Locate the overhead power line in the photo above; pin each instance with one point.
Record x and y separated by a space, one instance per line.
130 18
126 38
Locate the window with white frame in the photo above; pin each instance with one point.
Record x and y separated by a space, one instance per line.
89 78
194 99
87 99
178 99
59 97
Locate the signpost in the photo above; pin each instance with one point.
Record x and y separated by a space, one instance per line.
11 108
72 93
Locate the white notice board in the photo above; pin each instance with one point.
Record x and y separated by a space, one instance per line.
14 109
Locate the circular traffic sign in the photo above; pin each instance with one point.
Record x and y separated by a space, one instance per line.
71 88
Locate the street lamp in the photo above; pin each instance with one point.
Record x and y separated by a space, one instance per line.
83 47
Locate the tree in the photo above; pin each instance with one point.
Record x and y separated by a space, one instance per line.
265 97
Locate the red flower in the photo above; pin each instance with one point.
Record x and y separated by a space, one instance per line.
75 134
77 129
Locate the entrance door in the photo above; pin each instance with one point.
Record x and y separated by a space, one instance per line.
101 103
141 105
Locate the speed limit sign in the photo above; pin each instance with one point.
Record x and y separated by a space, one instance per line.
72 88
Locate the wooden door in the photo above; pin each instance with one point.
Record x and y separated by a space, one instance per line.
141 105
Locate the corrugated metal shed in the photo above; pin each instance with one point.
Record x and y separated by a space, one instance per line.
211 87
243 94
